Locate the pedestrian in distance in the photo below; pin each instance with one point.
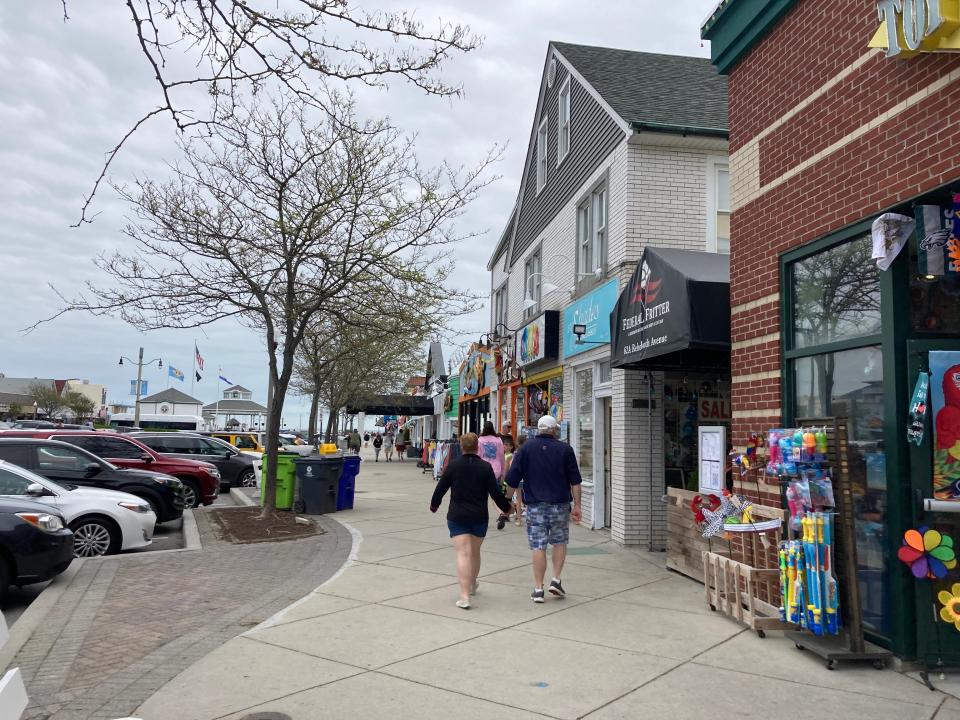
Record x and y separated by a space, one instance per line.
353 441
377 446
470 481
366 439
388 446
402 438
491 449
509 448
551 479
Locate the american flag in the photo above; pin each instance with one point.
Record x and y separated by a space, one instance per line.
199 358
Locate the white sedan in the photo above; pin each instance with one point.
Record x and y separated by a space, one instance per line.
103 522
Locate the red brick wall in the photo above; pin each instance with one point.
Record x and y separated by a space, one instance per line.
912 153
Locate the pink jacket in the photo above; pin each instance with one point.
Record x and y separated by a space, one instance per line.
491 450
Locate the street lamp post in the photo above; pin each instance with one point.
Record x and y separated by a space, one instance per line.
34 409
140 364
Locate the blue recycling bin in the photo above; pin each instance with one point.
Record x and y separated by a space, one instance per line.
346 486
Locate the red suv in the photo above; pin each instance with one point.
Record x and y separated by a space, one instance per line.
201 480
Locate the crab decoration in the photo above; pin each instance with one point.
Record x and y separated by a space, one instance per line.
928 553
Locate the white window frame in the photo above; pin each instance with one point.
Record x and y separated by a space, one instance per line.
533 268
596 241
564 122
714 166
542 154
501 307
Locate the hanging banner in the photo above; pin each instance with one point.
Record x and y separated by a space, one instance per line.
945 401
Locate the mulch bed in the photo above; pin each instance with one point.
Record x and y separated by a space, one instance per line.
245 525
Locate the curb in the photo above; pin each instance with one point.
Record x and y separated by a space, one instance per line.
34 615
191 533
241 498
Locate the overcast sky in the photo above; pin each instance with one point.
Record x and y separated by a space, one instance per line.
68 91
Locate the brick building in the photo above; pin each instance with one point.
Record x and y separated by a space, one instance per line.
834 120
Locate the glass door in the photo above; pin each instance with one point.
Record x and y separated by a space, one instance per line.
607 461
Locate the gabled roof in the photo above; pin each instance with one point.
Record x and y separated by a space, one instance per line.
238 388
21 386
237 406
171 395
654 91
435 367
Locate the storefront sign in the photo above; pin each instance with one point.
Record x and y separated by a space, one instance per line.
592 310
676 304
478 371
713 409
908 27
538 341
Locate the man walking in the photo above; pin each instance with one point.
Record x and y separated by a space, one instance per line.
353 441
551 478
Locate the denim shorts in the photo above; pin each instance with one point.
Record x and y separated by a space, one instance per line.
548 524
476 529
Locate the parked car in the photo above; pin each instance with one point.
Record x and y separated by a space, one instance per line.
67 464
35 543
201 480
35 424
237 469
243 441
103 522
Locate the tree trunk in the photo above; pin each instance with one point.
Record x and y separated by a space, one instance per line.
314 409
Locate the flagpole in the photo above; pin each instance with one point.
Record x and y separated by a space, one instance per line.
193 375
216 418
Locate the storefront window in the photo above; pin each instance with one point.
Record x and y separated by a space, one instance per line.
506 404
836 295
850 385
935 304
545 398
584 389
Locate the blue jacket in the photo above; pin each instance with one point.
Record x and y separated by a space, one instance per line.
547 467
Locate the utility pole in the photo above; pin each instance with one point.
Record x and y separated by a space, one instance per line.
140 364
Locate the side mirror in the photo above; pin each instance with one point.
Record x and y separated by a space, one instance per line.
147 457
91 469
36 490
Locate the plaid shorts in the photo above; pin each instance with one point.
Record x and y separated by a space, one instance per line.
548 524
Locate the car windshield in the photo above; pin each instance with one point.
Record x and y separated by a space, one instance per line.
32 477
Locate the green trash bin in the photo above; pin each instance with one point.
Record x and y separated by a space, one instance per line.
286 479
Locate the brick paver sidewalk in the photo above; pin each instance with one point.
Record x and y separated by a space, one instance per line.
126 625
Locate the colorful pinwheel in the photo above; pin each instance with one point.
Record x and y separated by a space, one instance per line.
928 553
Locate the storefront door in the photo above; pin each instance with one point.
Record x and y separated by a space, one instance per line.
607 460
935 473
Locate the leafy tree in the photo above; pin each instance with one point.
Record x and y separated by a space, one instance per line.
278 220
79 404
49 402
14 410
233 49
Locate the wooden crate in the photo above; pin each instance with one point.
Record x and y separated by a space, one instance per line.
735 589
685 544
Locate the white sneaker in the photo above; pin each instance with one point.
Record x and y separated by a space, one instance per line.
463 604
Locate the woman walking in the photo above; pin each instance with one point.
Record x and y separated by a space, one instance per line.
377 445
470 481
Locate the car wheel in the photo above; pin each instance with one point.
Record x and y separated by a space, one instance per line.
191 494
248 478
94 536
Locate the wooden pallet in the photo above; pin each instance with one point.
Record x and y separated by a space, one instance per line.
735 589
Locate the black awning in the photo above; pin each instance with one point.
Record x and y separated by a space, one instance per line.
674 312
392 405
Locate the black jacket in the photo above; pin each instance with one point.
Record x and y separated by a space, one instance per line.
471 481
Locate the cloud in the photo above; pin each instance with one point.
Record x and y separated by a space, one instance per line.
69 90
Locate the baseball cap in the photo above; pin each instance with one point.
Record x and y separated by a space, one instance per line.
547 422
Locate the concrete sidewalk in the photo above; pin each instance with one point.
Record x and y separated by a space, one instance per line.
383 639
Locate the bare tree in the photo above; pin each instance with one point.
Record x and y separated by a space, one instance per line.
277 221
48 399
236 47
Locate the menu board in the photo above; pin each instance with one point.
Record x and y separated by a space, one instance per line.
712 453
